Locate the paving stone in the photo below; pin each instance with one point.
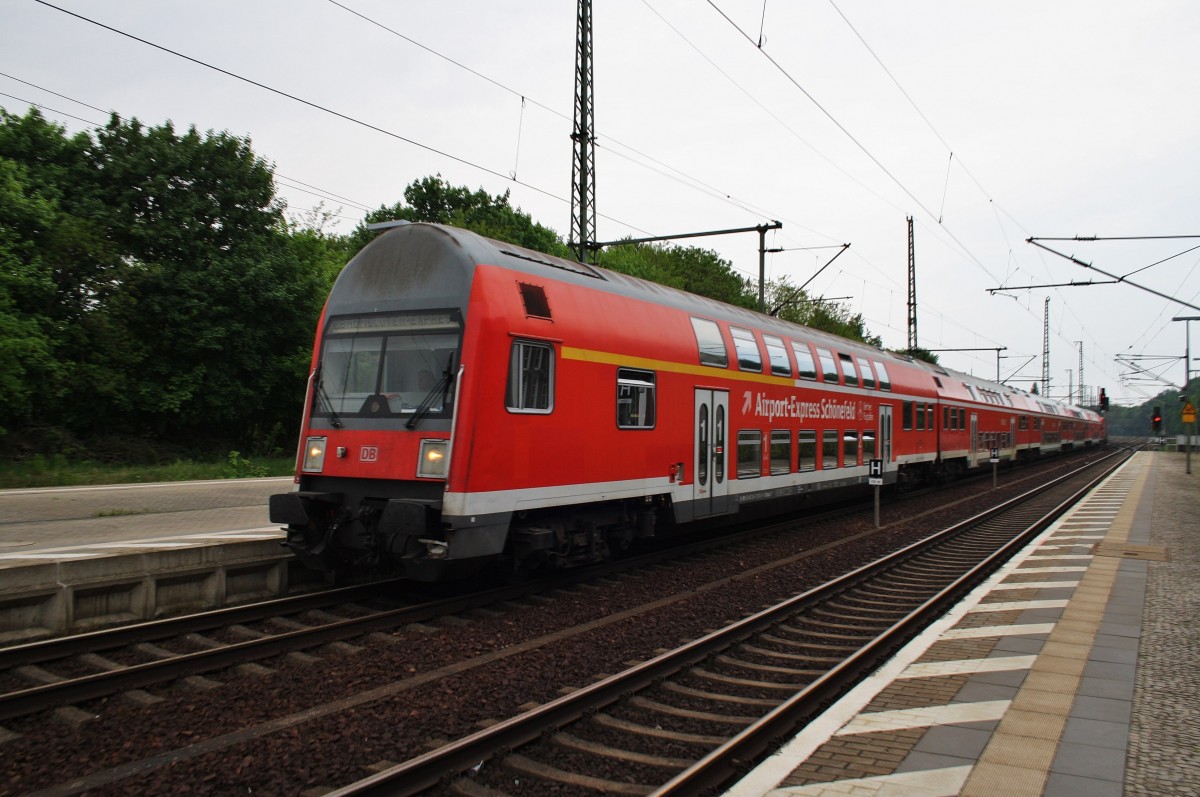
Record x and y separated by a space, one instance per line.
1060 785
1089 761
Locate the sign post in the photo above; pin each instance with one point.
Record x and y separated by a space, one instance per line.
995 460
1189 412
1188 416
875 479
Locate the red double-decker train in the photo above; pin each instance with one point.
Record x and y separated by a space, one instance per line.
474 403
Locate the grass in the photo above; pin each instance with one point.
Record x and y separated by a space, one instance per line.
57 471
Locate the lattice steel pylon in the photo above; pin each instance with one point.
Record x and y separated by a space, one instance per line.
583 164
1083 398
1046 349
912 290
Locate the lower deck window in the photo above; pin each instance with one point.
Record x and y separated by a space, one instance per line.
781 452
829 449
850 447
749 454
806 447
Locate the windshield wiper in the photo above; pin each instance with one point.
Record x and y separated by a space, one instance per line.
323 398
441 389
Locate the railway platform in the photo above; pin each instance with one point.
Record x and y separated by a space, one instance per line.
78 558
1075 670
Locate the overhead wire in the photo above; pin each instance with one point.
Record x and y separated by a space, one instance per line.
715 193
650 163
325 109
603 140
315 190
47 108
996 207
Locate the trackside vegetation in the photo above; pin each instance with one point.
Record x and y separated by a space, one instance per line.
158 300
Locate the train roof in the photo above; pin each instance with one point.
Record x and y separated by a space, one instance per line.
406 254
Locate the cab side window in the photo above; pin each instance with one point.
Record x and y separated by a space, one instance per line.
530 377
635 399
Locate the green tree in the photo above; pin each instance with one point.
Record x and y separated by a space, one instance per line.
434 200
212 323
55 264
785 301
150 284
688 268
27 358
923 354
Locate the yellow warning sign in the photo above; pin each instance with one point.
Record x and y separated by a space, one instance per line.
1189 413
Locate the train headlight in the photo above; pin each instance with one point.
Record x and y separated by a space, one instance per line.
314 454
432 464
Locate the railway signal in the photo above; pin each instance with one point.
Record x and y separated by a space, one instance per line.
1156 420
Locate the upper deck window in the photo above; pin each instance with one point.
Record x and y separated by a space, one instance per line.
868 378
848 369
804 360
710 343
885 383
829 369
749 357
780 366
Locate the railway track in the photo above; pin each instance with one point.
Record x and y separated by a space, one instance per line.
72 669
81 667
689 719
324 683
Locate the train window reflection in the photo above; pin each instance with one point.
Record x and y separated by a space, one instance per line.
806 443
848 369
384 365
710 343
530 377
635 399
804 360
778 356
829 449
749 357
749 454
829 370
781 452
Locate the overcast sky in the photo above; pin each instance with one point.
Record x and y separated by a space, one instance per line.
987 122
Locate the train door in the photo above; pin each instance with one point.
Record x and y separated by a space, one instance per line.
885 437
710 487
974 439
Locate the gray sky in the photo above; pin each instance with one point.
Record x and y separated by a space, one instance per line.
1064 118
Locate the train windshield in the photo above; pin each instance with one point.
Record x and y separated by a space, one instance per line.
387 365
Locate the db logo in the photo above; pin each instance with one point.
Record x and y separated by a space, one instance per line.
369 454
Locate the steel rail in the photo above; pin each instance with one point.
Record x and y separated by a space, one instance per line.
727 761
108 638
135 676
427 770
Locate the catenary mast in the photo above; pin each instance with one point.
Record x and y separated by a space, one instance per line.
583 164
